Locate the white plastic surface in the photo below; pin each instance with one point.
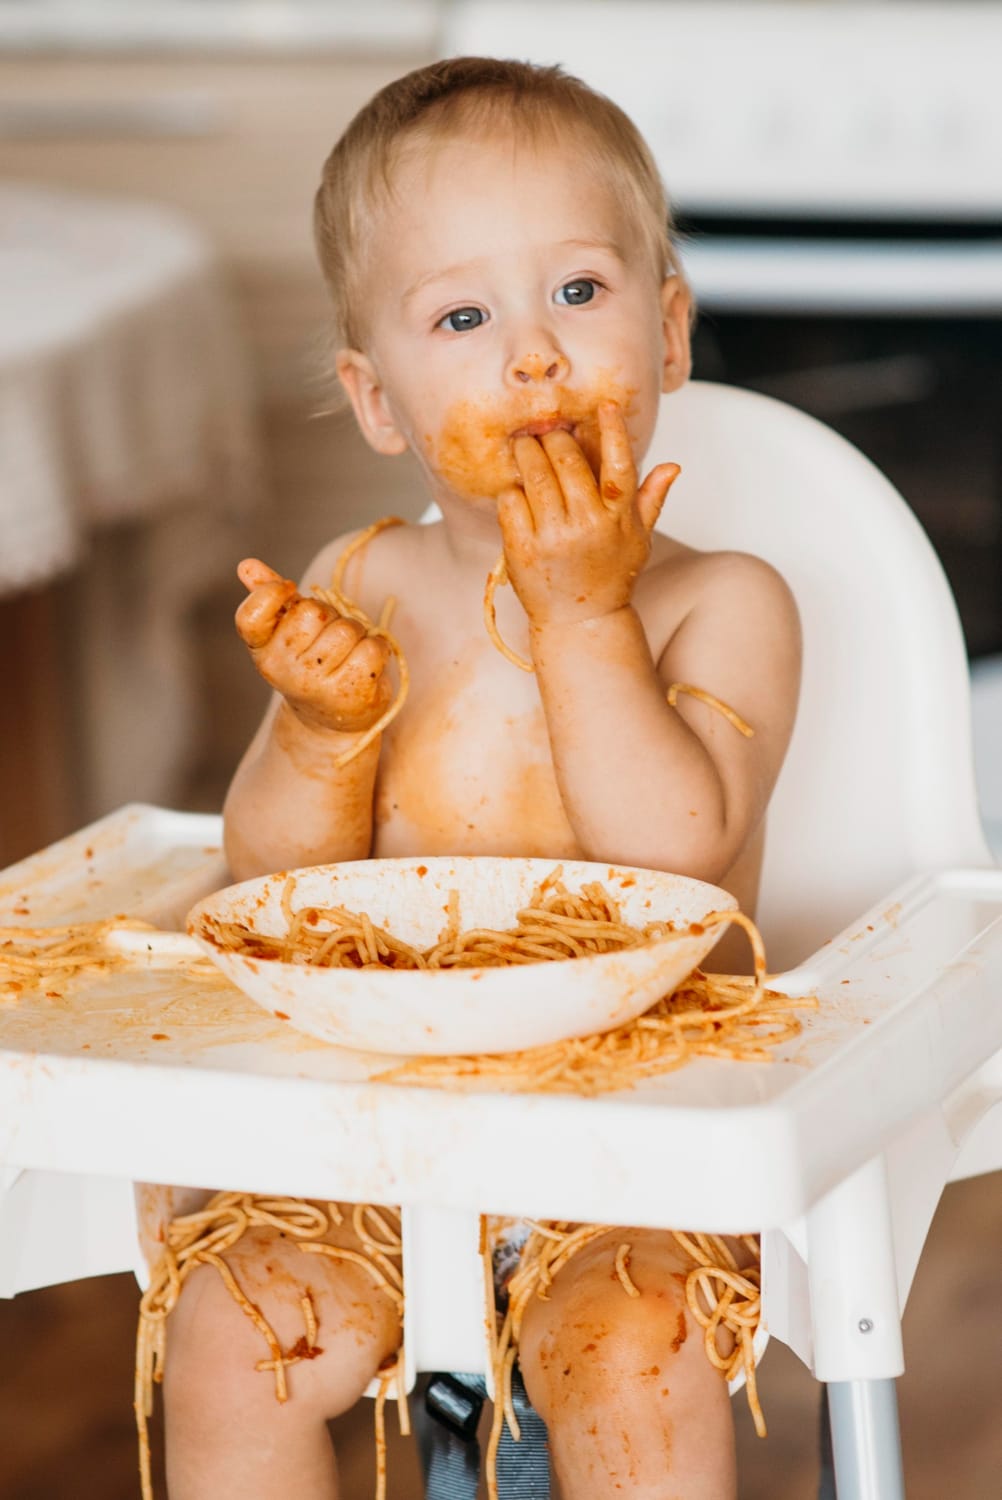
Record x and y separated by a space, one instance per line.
909 1010
446 1011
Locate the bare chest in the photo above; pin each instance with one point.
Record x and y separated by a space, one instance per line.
466 767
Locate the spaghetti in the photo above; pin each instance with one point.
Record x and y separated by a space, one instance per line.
203 1238
498 577
556 924
46 958
708 1015
335 596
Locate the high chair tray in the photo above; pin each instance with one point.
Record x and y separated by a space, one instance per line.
133 1075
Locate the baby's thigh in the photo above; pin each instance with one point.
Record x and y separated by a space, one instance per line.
214 1347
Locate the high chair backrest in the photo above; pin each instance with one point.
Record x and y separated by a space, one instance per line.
879 780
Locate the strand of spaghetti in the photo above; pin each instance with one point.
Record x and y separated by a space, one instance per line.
257 1317
335 1252
391 1237
623 1271
310 1319
497 578
334 595
732 717
385 1378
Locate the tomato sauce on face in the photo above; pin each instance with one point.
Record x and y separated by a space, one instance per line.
473 451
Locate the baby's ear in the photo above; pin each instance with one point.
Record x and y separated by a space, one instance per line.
676 306
360 379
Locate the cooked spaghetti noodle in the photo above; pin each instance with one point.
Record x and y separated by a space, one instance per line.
335 596
707 1015
33 958
498 577
203 1238
555 924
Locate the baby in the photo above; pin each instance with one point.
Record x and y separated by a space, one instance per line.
509 308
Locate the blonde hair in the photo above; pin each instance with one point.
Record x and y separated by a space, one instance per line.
474 95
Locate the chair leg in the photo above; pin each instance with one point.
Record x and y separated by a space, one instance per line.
826 1463
866 1443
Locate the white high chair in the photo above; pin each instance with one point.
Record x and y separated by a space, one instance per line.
845 1145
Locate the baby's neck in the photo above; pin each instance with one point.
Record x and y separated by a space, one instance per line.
469 537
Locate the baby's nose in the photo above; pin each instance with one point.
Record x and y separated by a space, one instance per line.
539 366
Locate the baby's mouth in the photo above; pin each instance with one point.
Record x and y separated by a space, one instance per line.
542 426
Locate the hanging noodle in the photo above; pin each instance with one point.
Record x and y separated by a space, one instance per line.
335 596
203 1238
498 577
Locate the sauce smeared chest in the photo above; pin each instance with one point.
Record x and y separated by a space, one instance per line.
466 769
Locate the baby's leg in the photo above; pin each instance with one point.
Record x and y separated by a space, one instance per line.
632 1404
227 1435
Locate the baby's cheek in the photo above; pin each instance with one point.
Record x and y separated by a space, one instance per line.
473 452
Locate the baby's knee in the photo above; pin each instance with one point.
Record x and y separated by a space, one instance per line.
592 1339
220 1362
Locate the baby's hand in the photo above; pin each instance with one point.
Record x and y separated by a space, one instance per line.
574 544
331 674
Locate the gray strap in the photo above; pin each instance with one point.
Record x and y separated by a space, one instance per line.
453 1460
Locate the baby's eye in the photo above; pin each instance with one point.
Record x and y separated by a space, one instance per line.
574 293
462 319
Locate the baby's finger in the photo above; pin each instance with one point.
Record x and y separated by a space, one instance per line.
515 516
252 572
573 472
654 491
259 614
335 643
300 629
539 482
360 678
618 475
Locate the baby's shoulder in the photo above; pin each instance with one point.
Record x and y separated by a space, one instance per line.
371 560
682 583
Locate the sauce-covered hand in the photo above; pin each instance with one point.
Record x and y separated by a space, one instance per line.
574 543
329 671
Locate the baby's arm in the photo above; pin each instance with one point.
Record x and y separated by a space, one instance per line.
291 802
644 783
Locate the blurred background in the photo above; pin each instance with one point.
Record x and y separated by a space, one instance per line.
165 409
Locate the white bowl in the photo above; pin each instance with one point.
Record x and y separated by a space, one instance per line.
449 1011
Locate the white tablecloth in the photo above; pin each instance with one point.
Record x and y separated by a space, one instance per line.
126 444
123 385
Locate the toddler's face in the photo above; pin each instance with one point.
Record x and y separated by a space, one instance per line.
508 291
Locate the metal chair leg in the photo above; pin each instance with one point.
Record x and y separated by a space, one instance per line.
826 1463
866 1442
